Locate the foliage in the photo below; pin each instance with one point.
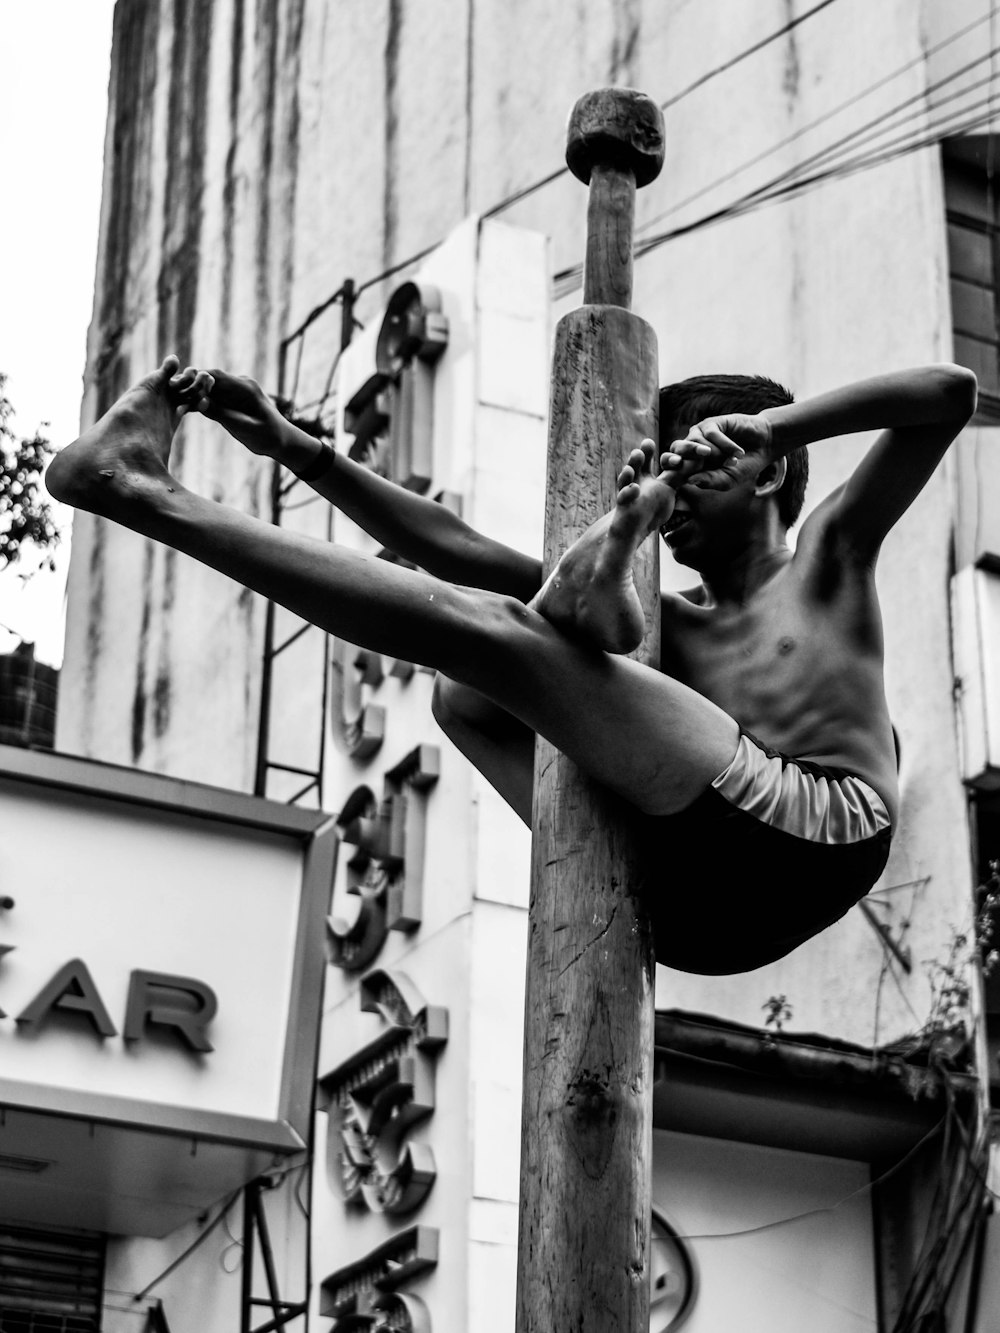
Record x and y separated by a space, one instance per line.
777 1013
25 514
951 991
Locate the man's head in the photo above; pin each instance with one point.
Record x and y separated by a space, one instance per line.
689 401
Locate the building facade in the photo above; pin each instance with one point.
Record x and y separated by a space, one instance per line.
364 208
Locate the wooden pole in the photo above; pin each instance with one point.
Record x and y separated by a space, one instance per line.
586 1134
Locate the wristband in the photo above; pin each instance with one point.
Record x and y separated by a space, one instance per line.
320 465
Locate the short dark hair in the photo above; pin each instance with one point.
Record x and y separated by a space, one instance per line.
689 401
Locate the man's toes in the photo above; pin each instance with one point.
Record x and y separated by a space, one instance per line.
203 385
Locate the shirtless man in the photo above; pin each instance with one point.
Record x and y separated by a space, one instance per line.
759 761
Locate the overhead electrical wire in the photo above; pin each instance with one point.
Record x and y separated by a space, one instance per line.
879 125
786 184
699 82
819 120
516 196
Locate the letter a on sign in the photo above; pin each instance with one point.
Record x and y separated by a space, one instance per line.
72 988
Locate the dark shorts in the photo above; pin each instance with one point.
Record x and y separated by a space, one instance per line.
773 852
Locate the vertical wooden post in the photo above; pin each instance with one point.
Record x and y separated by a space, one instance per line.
586 1138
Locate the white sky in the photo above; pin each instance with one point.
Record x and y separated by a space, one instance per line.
54 62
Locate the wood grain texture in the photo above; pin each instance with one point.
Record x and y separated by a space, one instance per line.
583 1260
607 270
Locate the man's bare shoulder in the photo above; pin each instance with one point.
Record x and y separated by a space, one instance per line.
677 603
823 555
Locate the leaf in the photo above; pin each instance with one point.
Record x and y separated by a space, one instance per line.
26 516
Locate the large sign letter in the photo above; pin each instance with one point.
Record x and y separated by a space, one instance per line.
366 1295
180 1003
72 989
378 1092
386 869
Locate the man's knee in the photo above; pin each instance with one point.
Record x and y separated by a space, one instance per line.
443 702
456 707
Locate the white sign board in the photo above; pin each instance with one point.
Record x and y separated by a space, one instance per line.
161 961
975 600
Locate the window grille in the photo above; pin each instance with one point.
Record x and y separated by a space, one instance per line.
973 222
50 1282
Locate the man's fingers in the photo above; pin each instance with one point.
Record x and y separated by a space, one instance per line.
236 391
191 389
722 442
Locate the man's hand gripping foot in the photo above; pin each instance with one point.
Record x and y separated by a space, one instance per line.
591 593
122 459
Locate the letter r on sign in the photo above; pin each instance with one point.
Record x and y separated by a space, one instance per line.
168 1001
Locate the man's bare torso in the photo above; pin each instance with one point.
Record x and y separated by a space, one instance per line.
799 663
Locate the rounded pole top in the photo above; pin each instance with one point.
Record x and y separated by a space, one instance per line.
615 127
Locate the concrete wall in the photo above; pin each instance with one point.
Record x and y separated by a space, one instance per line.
259 154
777 1239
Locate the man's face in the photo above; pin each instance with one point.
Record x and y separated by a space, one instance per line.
711 524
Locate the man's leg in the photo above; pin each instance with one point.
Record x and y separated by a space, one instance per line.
500 746
648 738
591 595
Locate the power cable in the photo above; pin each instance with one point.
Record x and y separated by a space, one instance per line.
517 195
700 82
814 124
832 1207
750 50
882 124
184 1254
786 181
780 187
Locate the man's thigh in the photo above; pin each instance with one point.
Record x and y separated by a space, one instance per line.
647 737
498 744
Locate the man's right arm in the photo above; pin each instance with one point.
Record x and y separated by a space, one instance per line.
425 532
415 528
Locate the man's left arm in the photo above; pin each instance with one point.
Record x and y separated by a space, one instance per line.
919 412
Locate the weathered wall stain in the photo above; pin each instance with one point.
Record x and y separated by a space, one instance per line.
230 178
793 70
266 75
185 146
470 89
133 85
625 42
161 686
291 65
142 653
132 88
177 298
390 200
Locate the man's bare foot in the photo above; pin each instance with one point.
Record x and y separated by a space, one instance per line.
122 458
590 593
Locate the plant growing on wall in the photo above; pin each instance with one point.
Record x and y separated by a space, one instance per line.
777 1012
25 514
950 1020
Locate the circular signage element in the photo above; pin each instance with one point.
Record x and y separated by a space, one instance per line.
673 1277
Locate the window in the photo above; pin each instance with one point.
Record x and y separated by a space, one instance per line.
50 1281
986 811
972 206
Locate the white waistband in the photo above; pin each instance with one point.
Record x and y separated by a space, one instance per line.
805 804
